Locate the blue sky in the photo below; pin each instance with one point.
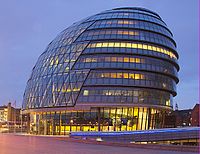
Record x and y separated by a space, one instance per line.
26 27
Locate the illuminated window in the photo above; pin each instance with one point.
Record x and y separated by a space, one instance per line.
149 47
126 59
132 60
136 33
135 93
137 76
110 44
68 90
117 92
113 75
119 75
126 33
56 62
120 32
131 33
94 60
168 102
88 60
158 49
123 45
141 76
120 22
117 45
131 76
76 89
139 46
51 63
126 75
72 60
109 92
133 45
102 76
145 47
67 68
137 60
164 85
105 44
154 48
106 75
98 45
126 22
129 45
85 93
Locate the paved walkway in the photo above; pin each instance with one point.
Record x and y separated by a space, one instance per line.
15 144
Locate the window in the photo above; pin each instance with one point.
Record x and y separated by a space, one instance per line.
120 59
133 45
132 60
117 45
120 32
137 76
94 60
88 60
126 75
125 33
85 93
139 46
145 47
110 44
119 75
113 75
128 45
113 59
141 76
137 60
131 76
107 59
98 45
126 59
121 22
126 22
106 75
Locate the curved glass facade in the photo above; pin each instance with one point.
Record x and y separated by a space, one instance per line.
113 71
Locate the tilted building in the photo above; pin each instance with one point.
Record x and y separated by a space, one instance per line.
113 71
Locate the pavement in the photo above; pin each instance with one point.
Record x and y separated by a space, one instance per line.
27 144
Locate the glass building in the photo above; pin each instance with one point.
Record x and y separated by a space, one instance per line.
113 71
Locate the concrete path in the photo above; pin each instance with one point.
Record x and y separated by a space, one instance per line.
16 144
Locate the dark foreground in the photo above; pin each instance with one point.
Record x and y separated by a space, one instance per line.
16 144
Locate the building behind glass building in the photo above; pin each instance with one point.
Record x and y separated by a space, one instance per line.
113 71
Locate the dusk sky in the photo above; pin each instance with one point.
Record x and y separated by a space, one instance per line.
26 28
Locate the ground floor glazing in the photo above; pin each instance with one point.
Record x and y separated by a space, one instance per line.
96 119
